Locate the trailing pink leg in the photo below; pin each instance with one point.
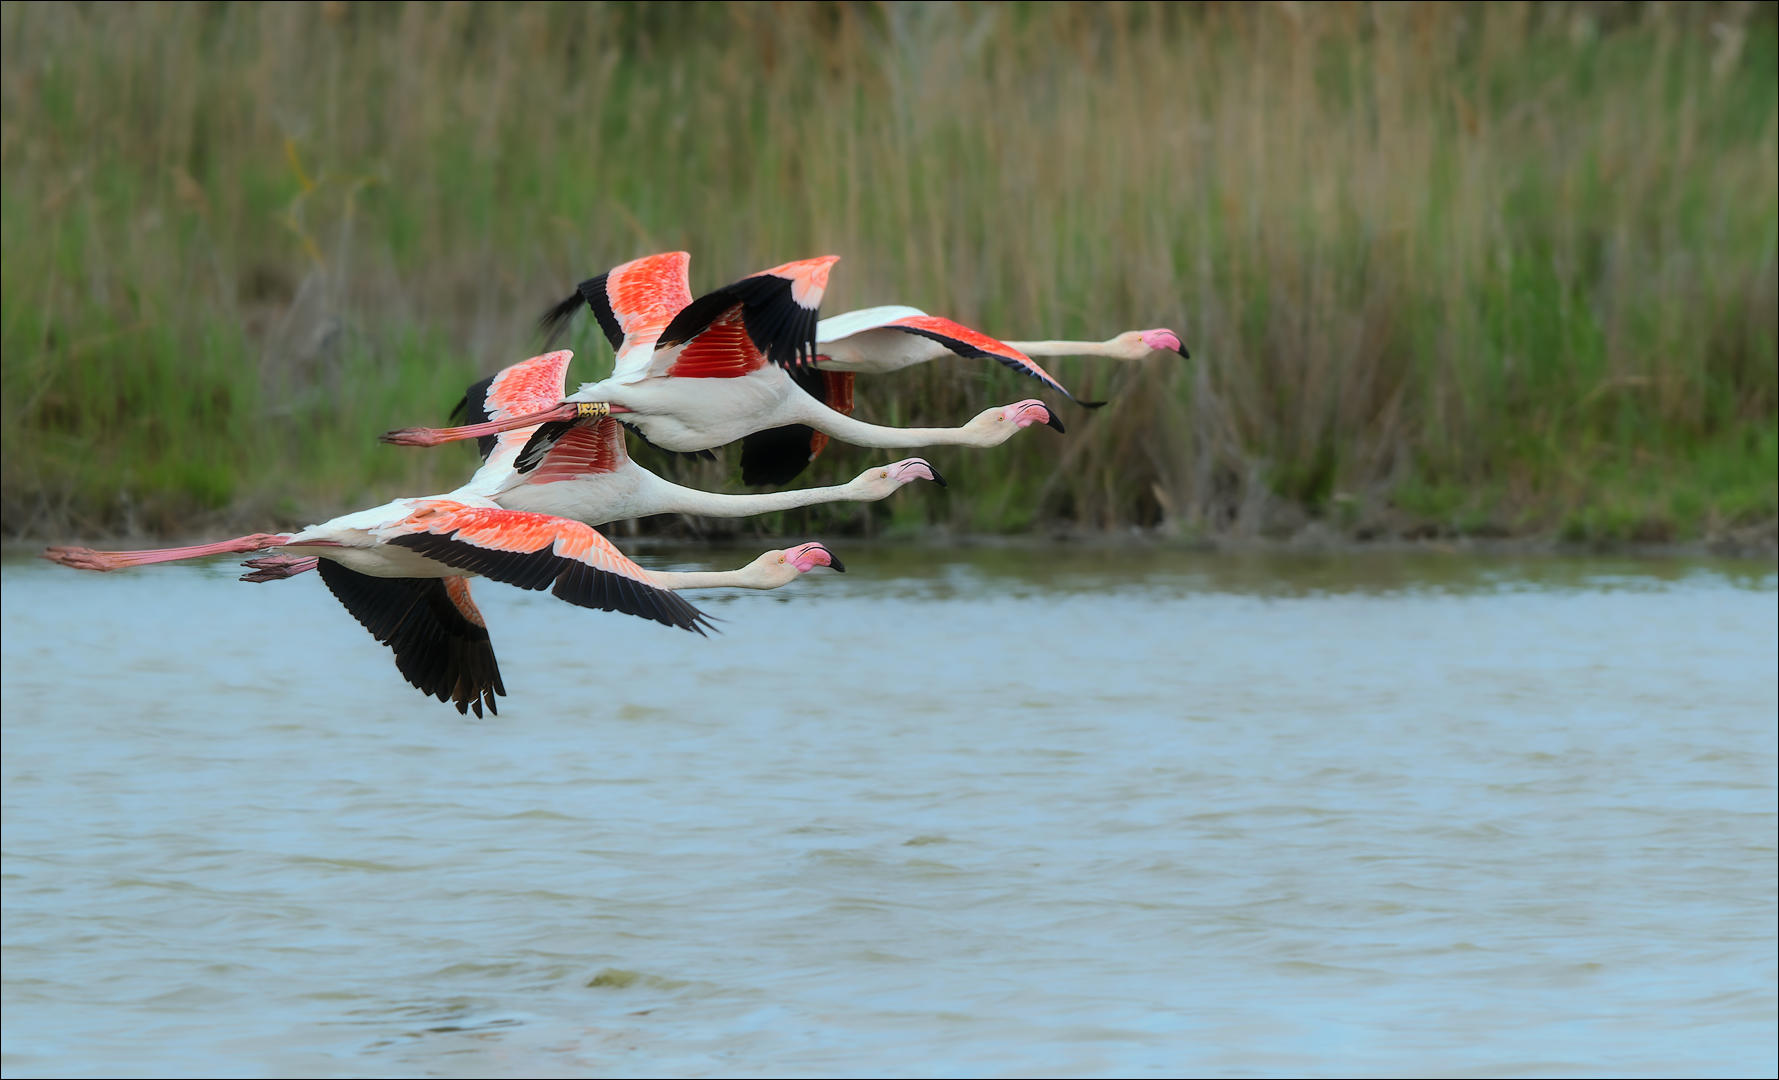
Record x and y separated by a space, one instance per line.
568 410
278 567
87 559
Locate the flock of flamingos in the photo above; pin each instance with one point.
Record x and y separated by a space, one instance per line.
748 361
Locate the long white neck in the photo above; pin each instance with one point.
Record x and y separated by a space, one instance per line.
809 411
1110 348
762 573
660 496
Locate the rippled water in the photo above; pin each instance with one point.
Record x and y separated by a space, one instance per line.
955 813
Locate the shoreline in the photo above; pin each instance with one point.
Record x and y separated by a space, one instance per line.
1757 543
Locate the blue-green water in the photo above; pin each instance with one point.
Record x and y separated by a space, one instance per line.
955 813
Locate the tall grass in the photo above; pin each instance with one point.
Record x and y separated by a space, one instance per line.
1483 268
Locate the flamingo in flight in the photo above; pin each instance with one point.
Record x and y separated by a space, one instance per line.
873 341
696 374
582 471
884 339
403 569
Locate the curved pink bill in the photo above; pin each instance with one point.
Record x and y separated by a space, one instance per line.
919 469
807 557
1165 339
1032 411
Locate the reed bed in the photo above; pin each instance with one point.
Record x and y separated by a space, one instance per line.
1479 269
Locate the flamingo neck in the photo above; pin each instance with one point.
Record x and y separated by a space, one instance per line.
666 497
858 433
752 576
1074 348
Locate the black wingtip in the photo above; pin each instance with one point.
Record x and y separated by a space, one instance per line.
1055 421
1091 404
462 409
554 321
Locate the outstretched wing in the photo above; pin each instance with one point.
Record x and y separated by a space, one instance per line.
534 551
628 297
440 642
567 449
526 387
633 302
854 322
765 318
871 340
974 345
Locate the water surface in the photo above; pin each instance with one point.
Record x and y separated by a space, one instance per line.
1029 812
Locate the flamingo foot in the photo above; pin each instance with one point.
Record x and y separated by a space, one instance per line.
568 410
80 558
278 567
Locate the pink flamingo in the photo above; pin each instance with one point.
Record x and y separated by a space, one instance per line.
883 339
401 569
873 341
581 470
695 374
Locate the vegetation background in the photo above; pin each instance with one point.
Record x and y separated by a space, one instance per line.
1478 269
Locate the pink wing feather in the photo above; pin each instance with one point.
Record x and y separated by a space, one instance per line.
970 343
536 551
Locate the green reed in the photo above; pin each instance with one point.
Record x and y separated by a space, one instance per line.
1480 269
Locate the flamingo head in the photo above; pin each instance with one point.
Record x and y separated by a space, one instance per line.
992 427
1163 338
884 479
1136 344
1024 414
806 557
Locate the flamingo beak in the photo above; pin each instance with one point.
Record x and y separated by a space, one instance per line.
1054 420
1165 339
810 556
922 469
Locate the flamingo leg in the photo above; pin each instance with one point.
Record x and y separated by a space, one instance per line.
278 567
568 410
80 558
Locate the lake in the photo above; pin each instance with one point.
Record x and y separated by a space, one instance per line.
971 811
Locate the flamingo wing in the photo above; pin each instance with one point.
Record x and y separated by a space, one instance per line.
632 301
567 449
974 345
535 551
438 636
779 455
765 318
518 390
857 322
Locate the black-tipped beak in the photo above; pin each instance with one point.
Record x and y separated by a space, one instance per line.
834 561
937 479
1184 355
1055 421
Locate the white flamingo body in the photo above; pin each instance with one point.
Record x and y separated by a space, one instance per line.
585 473
696 374
688 415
